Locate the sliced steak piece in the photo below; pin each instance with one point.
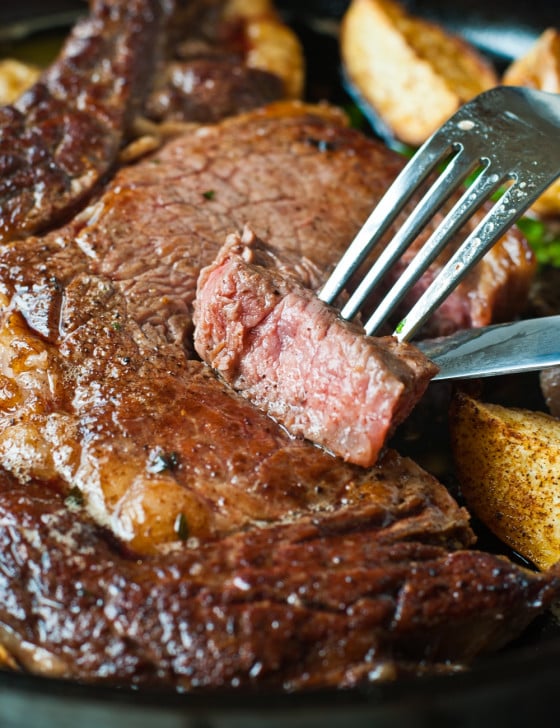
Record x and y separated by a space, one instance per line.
63 135
292 606
274 341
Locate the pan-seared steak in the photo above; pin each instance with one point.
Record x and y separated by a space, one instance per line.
272 339
178 60
317 602
278 170
64 134
156 445
155 526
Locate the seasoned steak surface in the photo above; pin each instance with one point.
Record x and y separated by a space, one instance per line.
314 603
161 220
152 440
64 134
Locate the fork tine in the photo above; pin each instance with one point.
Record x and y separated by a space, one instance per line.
502 216
456 172
434 151
471 200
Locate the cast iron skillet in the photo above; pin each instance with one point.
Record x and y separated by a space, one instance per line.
514 688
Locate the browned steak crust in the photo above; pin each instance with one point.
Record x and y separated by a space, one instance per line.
227 528
64 134
310 604
157 446
278 170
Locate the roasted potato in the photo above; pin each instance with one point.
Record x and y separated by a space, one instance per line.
540 68
271 45
413 73
508 464
15 78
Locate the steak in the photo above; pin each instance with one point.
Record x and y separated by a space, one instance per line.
160 221
91 412
210 89
155 526
272 339
123 60
64 134
308 604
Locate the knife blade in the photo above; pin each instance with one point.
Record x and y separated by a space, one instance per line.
521 346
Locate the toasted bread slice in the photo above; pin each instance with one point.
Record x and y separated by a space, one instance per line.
412 72
540 68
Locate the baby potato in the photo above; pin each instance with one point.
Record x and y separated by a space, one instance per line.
540 68
15 78
507 461
413 73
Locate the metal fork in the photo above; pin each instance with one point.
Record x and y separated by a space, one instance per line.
510 134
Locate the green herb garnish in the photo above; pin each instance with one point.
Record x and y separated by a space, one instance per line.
75 498
542 239
209 194
400 326
181 527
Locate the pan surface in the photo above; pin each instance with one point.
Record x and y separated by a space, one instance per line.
514 688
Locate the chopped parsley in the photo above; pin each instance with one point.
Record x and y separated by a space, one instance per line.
75 498
181 527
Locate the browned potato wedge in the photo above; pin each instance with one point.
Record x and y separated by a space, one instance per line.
508 464
540 68
271 45
15 78
413 73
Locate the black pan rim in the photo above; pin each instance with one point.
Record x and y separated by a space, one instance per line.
519 672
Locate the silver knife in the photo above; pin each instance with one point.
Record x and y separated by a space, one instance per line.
521 346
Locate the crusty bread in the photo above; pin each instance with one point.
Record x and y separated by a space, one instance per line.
412 72
540 68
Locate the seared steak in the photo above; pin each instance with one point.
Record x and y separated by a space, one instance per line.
209 89
155 526
278 170
271 338
165 59
324 601
64 134
156 444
